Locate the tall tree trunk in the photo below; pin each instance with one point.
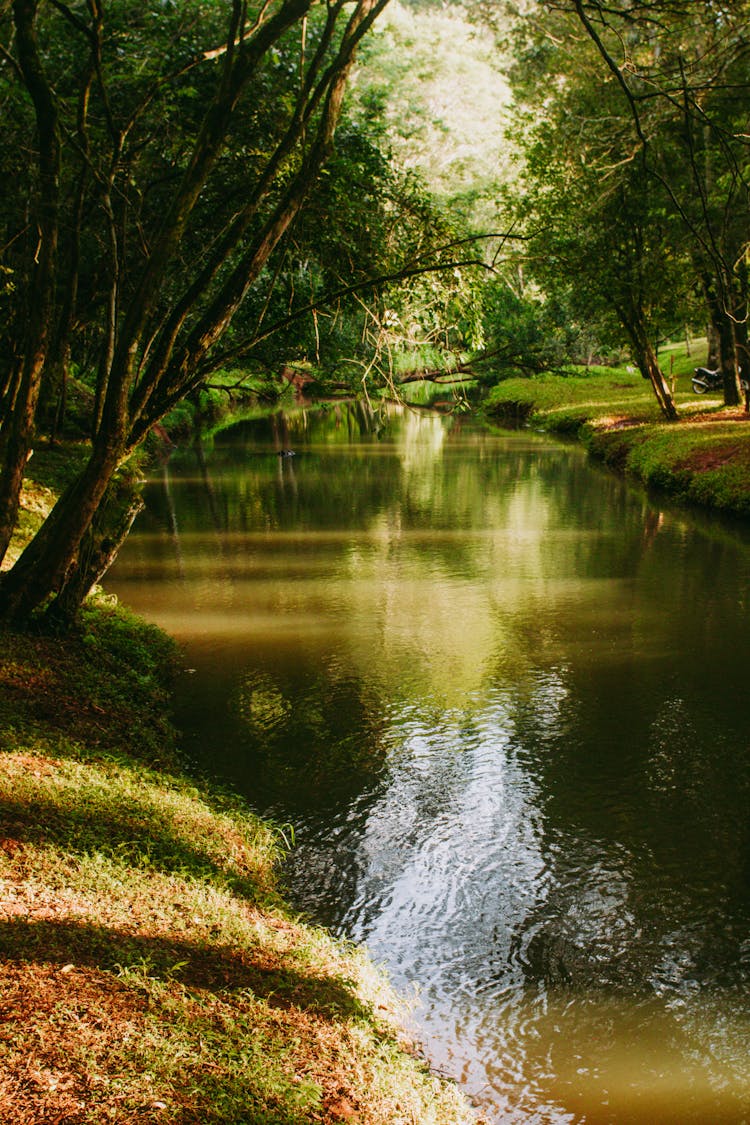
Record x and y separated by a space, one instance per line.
649 368
742 347
39 314
648 364
725 331
730 370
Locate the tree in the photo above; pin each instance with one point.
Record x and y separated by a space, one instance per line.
160 195
683 71
368 242
601 240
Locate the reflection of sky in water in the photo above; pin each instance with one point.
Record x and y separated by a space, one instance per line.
499 697
452 839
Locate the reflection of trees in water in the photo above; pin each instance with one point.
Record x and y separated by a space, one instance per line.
583 847
346 476
314 739
633 612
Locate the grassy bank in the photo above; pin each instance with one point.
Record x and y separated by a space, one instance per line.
703 458
148 970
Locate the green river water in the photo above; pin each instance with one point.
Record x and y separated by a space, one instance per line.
502 699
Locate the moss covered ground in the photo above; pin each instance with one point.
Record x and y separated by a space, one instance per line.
703 458
149 971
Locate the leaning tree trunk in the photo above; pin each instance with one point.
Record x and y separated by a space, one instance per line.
44 565
96 553
651 370
648 365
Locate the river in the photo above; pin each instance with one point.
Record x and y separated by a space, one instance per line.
501 697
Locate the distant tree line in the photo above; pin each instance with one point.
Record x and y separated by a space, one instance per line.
187 191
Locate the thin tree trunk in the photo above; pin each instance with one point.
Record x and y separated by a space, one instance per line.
8 391
648 365
724 334
21 426
174 373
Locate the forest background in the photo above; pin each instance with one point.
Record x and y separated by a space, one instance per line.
358 195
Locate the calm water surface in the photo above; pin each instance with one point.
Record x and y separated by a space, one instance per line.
503 701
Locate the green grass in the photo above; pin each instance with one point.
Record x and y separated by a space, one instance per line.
703 458
565 401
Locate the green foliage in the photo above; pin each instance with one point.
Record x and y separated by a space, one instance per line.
122 671
527 332
599 247
436 82
118 640
160 65
633 196
367 220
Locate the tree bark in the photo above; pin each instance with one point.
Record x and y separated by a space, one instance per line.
648 365
39 314
161 389
724 330
96 554
43 566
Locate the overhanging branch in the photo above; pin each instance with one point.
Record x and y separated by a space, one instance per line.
244 347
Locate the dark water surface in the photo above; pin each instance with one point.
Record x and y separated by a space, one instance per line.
504 702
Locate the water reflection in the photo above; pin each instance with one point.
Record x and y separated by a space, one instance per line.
501 699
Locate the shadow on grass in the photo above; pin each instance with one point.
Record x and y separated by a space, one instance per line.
130 832
217 968
102 695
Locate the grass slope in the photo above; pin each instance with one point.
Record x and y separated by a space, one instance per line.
703 458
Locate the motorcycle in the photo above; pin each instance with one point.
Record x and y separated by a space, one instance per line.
704 379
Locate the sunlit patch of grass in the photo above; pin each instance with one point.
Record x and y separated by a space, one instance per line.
566 402
703 458
36 503
134 994
129 813
49 469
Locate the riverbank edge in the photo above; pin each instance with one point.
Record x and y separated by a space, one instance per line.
701 460
151 971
